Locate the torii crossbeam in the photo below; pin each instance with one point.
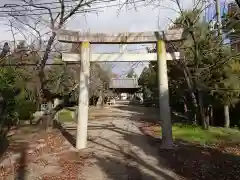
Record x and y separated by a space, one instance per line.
86 38
120 38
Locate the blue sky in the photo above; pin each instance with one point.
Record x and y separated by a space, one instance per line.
211 10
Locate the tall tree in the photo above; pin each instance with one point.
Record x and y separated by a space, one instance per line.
204 58
41 20
203 67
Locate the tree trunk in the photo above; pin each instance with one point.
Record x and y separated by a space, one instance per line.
226 116
55 104
192 94
48 117
100 101
185 108
102 96
195 108
207 116
41 74
103 100
210 114
201 112
38 98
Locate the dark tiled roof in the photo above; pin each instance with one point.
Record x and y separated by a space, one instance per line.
123 83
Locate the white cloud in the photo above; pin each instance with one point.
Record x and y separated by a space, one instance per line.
144 18
109 20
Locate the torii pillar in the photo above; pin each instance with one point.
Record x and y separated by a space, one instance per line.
121 38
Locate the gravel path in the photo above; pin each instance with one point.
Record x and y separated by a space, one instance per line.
119 150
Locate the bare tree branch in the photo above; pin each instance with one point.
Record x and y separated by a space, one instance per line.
12 31
76 8
62 10
42 7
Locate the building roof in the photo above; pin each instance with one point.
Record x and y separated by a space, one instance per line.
124 83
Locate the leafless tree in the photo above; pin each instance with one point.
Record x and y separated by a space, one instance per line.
40 20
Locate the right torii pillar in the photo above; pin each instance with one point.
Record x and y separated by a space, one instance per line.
164 106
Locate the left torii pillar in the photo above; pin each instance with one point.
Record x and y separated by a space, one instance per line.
82 123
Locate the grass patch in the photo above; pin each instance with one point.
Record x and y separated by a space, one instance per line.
195 134
65 116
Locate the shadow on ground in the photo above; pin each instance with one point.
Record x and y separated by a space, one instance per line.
140 113
198 162
188 160
16 147
15 152
21 172
18 168
132 157
65 133
4 145
148 114
109 165
130 164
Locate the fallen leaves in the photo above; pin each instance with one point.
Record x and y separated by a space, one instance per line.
194 161
45 151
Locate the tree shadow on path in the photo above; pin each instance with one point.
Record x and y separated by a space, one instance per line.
188 160
21 173
135 158
197 162
65 132
119 170
108 164
148 114
112 166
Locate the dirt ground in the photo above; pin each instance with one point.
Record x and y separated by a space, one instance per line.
36 155
188 160
120 147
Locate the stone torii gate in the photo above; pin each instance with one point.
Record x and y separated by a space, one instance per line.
84 39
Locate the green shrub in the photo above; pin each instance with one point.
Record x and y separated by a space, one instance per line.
25 109
8 93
